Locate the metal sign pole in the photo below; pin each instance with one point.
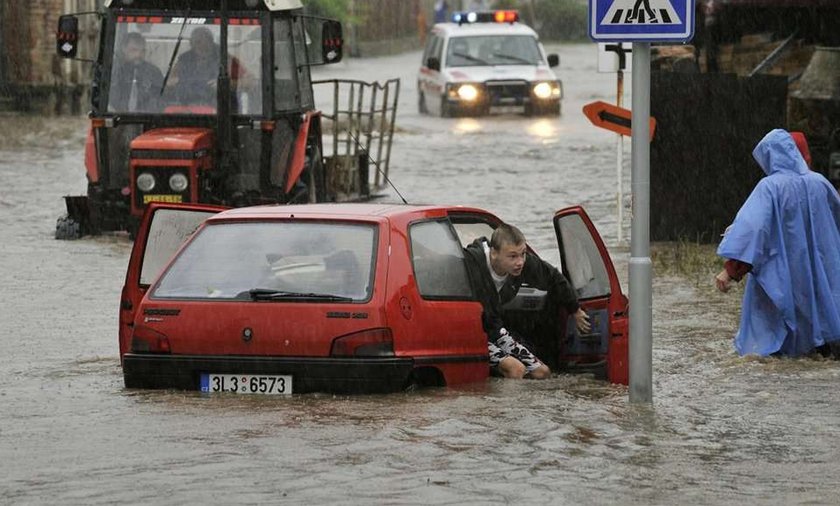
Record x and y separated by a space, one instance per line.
641 268
619 162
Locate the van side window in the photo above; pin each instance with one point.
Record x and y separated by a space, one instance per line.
427 52
438 261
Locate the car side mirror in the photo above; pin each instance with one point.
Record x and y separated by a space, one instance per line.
433 63
332 41
553 60
67 37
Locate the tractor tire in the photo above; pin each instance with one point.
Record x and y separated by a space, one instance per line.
67 229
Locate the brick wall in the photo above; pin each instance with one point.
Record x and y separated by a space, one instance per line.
32 76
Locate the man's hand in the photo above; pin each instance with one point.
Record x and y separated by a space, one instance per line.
722 280
582 321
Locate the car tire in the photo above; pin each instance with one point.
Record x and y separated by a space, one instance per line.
67 229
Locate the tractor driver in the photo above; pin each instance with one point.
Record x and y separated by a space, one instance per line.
135 83
197 70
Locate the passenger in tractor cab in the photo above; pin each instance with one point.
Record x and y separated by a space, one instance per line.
135 83
196 71
498 269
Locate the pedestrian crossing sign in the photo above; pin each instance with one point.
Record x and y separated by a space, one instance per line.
641 20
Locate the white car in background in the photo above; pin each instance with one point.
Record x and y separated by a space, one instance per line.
487 62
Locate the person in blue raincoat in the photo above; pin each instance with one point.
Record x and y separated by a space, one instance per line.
787 237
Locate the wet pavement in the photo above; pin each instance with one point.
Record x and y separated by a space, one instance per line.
722 429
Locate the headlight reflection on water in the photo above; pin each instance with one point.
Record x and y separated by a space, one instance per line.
544 128
467 125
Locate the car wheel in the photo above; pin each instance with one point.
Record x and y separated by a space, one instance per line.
421 103
67 229
445 108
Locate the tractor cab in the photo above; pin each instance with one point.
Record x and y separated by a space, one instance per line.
201 101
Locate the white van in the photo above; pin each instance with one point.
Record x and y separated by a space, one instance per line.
487 62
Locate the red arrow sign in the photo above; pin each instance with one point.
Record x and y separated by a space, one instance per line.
612 117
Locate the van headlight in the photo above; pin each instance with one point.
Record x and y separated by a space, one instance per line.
178 182
546 90
467 92
145 182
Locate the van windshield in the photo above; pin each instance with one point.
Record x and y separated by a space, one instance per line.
492 50
145 45
288 261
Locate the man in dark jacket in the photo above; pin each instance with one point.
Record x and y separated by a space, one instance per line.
498 268
135 83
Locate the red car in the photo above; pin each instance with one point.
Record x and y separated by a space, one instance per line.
340 298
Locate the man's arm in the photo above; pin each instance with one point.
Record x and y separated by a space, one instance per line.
563 290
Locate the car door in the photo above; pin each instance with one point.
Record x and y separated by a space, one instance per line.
164 228
587 265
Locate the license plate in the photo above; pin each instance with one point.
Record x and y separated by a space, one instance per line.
246 384
170 199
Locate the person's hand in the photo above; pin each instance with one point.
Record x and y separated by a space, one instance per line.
722 280
582 321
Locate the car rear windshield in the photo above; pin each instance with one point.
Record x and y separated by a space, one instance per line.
274 261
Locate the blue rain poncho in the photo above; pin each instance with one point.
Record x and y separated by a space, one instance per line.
789 231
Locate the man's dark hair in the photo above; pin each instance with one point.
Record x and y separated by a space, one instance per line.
135 38
505 233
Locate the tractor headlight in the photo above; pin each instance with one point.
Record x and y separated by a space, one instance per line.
467 92
543 90
178 182
145 182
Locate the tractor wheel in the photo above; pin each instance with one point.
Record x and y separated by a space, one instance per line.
67 229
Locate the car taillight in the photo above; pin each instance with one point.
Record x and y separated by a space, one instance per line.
147 340
367 343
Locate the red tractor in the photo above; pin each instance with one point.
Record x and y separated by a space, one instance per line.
209 101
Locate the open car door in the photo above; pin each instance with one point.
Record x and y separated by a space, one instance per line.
163 230
586 263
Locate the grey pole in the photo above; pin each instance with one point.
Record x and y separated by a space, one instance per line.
641 269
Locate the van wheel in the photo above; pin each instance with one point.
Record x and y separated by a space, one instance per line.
421 103
445 110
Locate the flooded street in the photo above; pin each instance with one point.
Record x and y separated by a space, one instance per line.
722 429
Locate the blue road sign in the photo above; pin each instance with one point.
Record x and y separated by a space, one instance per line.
641 20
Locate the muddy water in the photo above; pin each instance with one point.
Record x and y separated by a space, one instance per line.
722 429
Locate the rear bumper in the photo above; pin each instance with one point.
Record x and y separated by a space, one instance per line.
334 375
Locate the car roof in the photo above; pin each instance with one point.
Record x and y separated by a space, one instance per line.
476 29
341 211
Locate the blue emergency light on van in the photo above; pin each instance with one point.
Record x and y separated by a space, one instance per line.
506 16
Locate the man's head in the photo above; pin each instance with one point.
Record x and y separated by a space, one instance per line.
134 48
201 40
507 250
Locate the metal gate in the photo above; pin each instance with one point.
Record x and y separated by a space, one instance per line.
357 128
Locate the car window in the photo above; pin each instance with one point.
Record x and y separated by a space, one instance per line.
438 261
167 232
583 262
469 232
492 50
227 260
